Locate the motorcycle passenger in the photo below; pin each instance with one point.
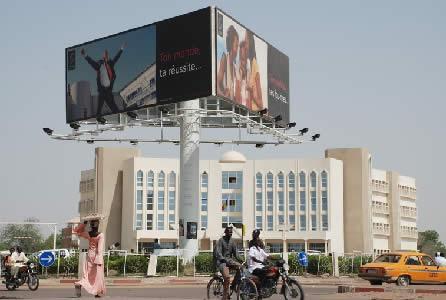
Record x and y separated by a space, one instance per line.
7 261
226 256
257 256
18 259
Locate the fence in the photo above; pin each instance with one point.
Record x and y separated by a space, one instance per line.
121 263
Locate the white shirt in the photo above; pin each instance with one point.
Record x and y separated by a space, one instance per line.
258 254
16 257
440 261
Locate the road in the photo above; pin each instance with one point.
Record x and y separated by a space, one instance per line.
135 292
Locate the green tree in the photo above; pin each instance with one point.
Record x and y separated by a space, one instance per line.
429 242
28 236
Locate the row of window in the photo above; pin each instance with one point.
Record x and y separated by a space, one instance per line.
86 206
291 201
301 226
86 186
149 222
150 179
292 180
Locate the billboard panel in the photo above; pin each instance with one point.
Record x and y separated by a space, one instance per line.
241 64
165 62
250 72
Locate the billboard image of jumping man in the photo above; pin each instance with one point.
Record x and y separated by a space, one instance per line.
99 72
241 64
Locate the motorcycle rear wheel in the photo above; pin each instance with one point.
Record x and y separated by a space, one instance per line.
246 290
10 286
292 290
33 282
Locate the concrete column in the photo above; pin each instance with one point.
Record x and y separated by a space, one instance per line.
189 176
326 247
306 246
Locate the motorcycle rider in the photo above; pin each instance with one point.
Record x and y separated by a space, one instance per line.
257 256
226 257
18 259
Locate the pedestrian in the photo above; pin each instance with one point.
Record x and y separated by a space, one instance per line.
92 280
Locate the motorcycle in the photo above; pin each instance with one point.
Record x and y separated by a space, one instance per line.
275 272
27 274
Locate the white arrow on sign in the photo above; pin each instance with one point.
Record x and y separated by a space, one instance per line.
48 259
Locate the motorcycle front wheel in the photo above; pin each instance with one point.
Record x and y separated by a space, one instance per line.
33 282
215 288
247 289
292 290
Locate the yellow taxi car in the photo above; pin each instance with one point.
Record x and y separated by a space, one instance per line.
403 268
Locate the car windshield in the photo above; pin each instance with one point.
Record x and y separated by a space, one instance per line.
388 258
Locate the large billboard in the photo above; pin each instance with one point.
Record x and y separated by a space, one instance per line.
161 63
249 71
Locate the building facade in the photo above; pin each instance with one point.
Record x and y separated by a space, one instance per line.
300 204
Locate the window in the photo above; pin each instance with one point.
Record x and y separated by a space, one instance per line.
171 220
138 224
292 222
204 180
303 201
204 221
413 261
281 201
313 223
291 180
269 180
204 201
259 201
149 223
313 179
172 179
160 200
149 200
232 180
139 200
172 200
303 223
160 222
296 247
389 258
324 222
281 220
302 181
259 179
269 201
317 247
270 223
280 180
291 200
275 248
161 179
324 201
427 261
324 179
139 178
150 179
313 201
259 222
232 202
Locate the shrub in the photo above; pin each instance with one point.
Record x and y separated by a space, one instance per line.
135 264
204 263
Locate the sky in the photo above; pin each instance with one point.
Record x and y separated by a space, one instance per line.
362 73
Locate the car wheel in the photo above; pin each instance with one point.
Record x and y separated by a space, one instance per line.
403 281
376 282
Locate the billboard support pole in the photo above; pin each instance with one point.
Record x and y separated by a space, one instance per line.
189 177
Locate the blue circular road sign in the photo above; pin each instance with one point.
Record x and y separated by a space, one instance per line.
46 259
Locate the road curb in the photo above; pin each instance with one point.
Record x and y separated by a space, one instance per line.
358 289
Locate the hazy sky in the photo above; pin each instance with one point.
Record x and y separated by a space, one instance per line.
363 73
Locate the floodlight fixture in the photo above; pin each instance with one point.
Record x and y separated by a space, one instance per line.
260 145
315 137
90 141
132 114
48 131
134 142
164 110
292 124
75 126
176 143
278 118
263 111
101 120
303 131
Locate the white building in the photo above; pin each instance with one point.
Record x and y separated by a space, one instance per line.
300 204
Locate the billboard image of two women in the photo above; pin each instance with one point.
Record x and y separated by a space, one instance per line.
241 64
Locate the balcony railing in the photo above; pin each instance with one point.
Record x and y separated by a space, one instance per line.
408 193
380 209
382 188
382 231
409 234
409 213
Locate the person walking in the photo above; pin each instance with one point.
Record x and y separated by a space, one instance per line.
92 280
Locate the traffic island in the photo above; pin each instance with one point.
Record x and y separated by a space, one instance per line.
364 289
